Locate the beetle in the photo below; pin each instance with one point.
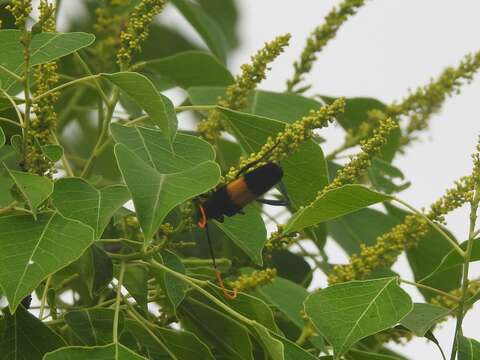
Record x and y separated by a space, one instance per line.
231 198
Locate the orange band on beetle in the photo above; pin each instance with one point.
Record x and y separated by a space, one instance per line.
228 295
203 221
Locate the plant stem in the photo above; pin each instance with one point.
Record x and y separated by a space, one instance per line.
8 208
103 131
10 121
64 85
432 289
44 298
117 302
466 266
89 72
194 283
17 110
434 225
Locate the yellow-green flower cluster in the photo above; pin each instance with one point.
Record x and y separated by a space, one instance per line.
131 228
44 123
288 141
421 104
449 303
111 15
256 278
20 10
384 253
461 193
319 38
351 172
279 240
237 94
136 31
389 245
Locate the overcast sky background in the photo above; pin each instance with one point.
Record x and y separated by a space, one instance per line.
387 48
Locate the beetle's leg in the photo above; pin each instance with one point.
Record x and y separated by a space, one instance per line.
230 295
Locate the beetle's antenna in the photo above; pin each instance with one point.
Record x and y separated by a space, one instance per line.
203 224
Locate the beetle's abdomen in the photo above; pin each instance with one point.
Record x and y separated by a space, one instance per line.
231 198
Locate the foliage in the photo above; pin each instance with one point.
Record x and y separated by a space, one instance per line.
101 181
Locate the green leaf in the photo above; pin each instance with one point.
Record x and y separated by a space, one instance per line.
141 90
36 189
45 47
192 68
294 352
468 349
93 326
26 337
77 199
225 13
269 342
217 329
33 250
155 194
360 227
453 261
185 153
206 27
285 107
247 305
287 297
135 281
332 204
2 137
107 352
348 312
247 231
173 287
53 152
423 317
183 345
382 175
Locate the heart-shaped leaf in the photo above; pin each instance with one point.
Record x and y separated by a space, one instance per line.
36 189
348 312
77 199
334 203
114 351
141 90
155 194
44 48
26 337
186 152
33 250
